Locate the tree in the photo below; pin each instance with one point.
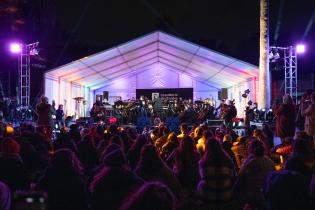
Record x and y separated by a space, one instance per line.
264 74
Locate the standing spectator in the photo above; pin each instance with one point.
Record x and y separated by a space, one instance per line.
170 145
113 183
183 131
285 190
218 175
60 116
44 112
269 134
87 153
5 197
285 118
133 154
309 113
252 175
186 164
227 147
64 182
302 158
12 169
239 149
152 168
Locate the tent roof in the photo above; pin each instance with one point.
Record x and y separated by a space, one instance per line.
141 54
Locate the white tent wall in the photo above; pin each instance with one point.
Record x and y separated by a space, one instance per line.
235 92
51 88
63 93
157 78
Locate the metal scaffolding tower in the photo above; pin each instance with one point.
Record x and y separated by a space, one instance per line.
24 83
290 69
290 72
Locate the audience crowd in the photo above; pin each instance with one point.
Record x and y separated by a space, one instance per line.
115 168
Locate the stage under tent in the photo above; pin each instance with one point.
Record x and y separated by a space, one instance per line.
154 61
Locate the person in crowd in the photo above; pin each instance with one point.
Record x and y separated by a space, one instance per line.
60 116
170 145
252 174
133 154
186 164
113 183
64 141
126 140
5 197
197 133
162 139
285 190
183 131
74 133
285 118
152 168
218 175
302 159
32 159
12 169
44 112
201 144
309 113
64 182
239 149
227 147
87 153
259 135
267 131
153 196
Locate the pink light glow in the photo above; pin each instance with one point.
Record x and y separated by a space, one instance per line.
300 48
15 48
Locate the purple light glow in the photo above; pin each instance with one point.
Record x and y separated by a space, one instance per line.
300 48
15 48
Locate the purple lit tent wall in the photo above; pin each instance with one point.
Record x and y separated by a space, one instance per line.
157 60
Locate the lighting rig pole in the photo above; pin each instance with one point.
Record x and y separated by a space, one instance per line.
290 66
24 72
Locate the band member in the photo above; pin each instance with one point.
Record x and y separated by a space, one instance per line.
230 113
158 107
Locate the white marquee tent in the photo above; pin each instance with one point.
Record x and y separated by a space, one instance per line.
156 60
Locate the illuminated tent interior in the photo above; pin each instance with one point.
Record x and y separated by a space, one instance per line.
156 60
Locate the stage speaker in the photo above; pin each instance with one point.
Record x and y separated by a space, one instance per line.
105 95
223 94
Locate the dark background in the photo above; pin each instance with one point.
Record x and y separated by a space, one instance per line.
71 29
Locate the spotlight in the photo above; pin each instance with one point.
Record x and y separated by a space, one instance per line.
300 48
15 48
269 115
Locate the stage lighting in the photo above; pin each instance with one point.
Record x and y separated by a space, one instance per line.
262 115
300 48
15 48
269 115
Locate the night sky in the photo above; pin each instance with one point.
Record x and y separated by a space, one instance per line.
71 29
